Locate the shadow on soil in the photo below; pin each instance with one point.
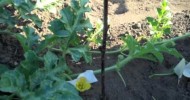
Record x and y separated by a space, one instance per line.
121 8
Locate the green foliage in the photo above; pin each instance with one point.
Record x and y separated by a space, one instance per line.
32 81
23 9
95 35
68 29
42 75
72 22
3 68
7 18
162 24
78 52
149 50
30 40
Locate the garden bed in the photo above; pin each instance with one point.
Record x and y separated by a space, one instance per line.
139 86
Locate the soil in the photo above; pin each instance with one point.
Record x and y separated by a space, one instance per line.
126 17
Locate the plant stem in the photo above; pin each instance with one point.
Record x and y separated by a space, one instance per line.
111 68
119 50
174 39
164 41
107 52
164 74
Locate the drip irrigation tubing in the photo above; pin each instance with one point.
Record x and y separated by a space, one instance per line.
103 49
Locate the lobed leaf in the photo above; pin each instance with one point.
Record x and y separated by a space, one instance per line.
12 81
50 60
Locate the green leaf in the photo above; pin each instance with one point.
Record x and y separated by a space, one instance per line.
12 81
159 11
62 33
22 41
56 25
50 60
83 2
164 3
159 56
78 52
169 50
7 18
5 2
148 49
75 54
36 78
30 41
62 63
31 63
84 24
68 91
75 5
18 2
32 37
149 57
3 68
131 44
67 16
167 31
152 21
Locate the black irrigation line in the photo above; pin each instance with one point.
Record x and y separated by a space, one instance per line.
103 50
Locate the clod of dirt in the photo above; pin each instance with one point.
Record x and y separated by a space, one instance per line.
11 52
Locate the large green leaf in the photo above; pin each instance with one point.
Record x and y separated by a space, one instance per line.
50 60
12 81
78 52
30 41
62 33
31 63
7 18
58 28
58 91
67 16
36 78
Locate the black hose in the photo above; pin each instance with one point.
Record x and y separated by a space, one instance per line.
103 50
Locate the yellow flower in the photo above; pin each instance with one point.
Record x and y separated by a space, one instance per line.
82 84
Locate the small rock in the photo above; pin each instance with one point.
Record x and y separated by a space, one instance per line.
136 26
147 9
